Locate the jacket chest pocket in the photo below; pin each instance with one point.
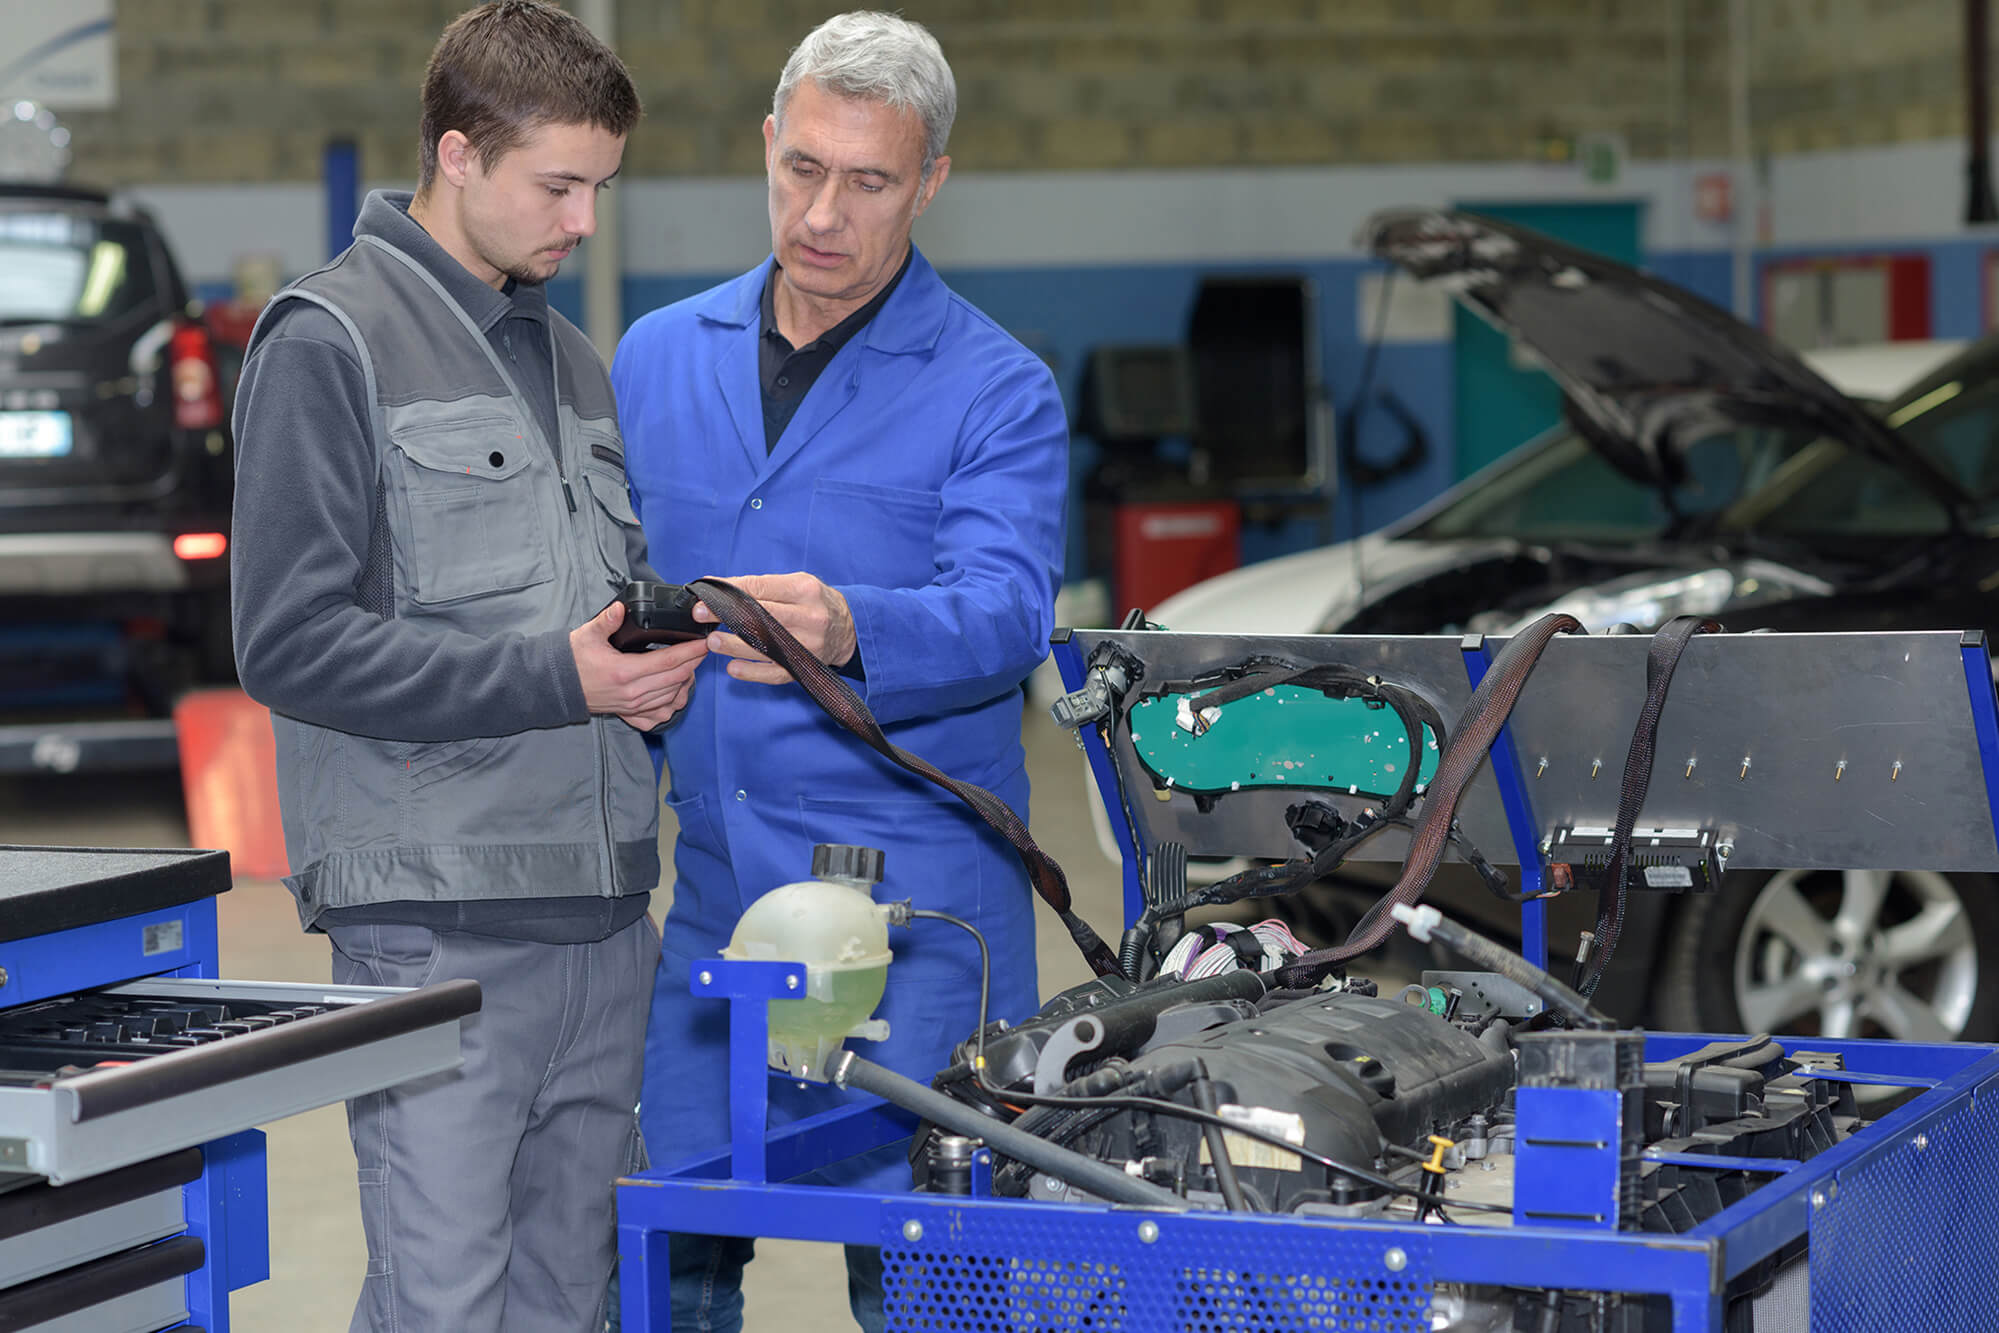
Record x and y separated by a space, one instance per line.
474 523
612 518
876 536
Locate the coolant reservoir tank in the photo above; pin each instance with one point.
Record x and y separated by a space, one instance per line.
831 925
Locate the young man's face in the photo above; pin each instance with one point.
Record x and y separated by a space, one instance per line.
524 213
846 184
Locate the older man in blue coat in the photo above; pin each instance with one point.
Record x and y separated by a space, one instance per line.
885 469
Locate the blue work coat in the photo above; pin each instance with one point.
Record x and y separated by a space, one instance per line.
924 476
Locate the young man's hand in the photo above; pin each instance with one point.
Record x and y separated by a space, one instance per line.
645 689
816 615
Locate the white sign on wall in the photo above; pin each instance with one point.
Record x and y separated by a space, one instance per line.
61 53
1417 311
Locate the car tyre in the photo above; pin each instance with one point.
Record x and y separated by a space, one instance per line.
1830 953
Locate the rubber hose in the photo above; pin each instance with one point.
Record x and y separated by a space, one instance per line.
1072 1168
1496 957
1218 1148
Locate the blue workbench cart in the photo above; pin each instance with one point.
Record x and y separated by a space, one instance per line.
1898 1224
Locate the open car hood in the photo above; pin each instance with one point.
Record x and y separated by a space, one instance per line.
1648 368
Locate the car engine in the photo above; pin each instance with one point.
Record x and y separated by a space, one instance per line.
1339 1102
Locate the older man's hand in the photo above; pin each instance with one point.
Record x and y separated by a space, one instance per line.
816 615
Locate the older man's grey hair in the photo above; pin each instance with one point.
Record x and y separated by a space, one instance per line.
884 58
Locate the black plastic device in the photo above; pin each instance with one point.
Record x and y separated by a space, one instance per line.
657 613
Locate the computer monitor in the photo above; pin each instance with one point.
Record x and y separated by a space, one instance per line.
1255 349
1137 393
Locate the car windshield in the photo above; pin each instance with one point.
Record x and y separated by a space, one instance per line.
1558 489
1832 491
61 266
1750 481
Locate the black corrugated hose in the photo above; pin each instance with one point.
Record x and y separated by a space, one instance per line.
745 617
1085 1173
1667 645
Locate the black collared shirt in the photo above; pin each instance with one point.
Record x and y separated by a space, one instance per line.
788 373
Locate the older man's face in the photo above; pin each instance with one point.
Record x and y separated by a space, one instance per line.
846 184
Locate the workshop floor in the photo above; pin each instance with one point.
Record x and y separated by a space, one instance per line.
317 1253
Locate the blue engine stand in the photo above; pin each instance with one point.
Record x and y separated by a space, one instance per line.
1901 1220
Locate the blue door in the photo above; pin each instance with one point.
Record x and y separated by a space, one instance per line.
1501 404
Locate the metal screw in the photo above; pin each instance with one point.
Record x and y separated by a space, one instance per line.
1818 1198
1922 1142
1396 1260
1745 769
1840 771
1547 843
1594 766
791 983
1895 774
3 976
1832 1190
912 1230
707 978
1724 849
1690 766
1543 768
1148 1232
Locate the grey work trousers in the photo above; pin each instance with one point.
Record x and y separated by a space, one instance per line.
486 1192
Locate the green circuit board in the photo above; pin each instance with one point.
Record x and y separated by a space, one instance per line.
1284 736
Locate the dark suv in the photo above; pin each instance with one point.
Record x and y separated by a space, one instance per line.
115 462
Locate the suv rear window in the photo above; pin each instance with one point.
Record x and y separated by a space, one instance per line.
56 265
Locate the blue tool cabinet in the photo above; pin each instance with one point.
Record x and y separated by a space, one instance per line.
132 1184
1901 1219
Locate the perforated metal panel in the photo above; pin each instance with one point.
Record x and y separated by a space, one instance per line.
1032 1268
1909 1238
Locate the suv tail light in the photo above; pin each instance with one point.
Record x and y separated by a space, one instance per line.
197 388
200 545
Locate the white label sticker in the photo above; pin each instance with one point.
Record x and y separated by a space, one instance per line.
1246 1151
1668 877
164 937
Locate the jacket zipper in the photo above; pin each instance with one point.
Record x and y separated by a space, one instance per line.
607 862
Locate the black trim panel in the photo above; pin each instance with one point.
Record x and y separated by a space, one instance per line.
33 1207
79 1288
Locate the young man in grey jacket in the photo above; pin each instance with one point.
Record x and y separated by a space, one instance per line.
431 524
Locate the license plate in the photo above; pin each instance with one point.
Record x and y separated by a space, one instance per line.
35 434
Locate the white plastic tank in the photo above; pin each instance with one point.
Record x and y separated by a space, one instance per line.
831 925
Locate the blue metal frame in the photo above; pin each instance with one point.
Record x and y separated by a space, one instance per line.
227 1210
1149 1251
1519 807
183 940
1069 661
1984 714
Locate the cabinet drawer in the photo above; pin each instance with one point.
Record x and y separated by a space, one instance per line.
109 1077
45 1228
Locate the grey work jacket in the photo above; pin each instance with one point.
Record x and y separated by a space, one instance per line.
494 530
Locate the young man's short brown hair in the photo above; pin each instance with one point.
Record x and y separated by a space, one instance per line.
504 70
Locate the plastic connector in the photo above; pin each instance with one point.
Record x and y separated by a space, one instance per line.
1082 708
1419 920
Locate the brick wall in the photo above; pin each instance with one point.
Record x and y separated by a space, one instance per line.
249 90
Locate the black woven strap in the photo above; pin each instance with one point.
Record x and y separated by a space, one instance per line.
745 617
1667 645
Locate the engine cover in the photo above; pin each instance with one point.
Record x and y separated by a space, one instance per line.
1345 1075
